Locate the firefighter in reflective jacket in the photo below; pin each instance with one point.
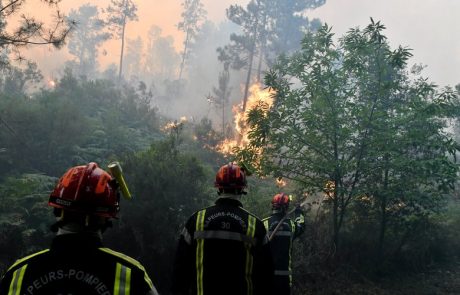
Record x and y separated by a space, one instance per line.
281 240
84 200
223 249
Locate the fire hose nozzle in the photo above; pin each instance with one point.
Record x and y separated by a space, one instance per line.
117 172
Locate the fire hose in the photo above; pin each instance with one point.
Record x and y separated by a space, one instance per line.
272 235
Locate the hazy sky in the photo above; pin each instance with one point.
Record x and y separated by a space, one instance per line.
163 13
429 27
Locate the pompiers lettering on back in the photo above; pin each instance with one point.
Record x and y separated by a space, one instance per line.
70 275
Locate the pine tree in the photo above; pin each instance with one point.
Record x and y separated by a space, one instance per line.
120 13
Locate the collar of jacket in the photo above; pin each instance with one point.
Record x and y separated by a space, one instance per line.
226 201
75 242
278 212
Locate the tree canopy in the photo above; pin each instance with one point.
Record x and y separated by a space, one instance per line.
349 121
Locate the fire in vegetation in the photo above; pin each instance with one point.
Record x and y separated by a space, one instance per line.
174 124
256 97
51 83
329 189
280 182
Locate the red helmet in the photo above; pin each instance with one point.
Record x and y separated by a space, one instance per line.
280 200
230 176
86 189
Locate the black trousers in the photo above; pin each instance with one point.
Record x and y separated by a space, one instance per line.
282 285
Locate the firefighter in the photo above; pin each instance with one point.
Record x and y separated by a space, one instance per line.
84 200
281 240
223 249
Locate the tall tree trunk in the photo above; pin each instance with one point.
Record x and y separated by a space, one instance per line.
248 77
259 67
182 64
251 57
223 113
383 221
224 94
335 218
383 217
337 210
120 70
263 42
81 61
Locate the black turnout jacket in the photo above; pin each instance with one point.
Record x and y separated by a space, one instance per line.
76 264
223 249
281 243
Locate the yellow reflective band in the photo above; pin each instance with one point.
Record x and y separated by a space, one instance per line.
148 280
251 226
300 220
122 284
128 281
199 252
130 260
116 287
224 235
16 281
249 259
266 223
293 226
26 258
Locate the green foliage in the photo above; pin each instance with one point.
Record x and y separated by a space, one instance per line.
120 12
193 17
269 28
446 245
161 58
87 37
222 95
349 122
77 122
168 186
197 139
349 125
259 198
17 80
29 30
24 216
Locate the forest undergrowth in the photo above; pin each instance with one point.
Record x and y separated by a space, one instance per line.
436 280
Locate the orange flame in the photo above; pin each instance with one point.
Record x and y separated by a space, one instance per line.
257 95
280 182
329 189
169 126
174 124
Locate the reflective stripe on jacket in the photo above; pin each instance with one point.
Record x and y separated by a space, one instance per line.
223 249
76 264
281 244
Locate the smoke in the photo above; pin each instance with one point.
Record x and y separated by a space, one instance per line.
152 49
